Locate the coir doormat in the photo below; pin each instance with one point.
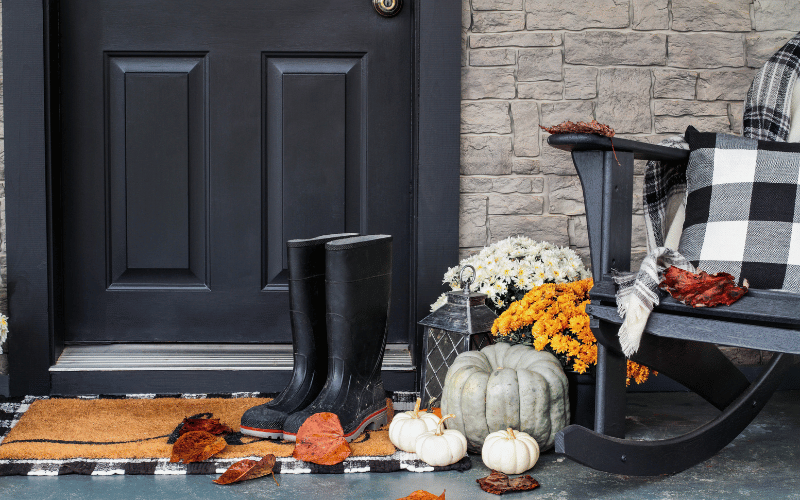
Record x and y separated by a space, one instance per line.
133 434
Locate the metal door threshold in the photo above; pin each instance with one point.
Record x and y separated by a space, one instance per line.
168 368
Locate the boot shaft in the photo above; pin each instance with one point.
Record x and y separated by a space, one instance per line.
306 263
358 291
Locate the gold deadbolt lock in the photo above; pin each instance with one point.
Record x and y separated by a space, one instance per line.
388 8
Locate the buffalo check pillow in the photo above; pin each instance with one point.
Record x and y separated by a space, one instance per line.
743 209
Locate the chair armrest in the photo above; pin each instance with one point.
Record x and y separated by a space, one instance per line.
594 142
772 307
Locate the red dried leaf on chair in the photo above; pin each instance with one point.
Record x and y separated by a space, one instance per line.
210 425
247 469
593 127
196 446
498 483
423 495
702 289
569 127
320 440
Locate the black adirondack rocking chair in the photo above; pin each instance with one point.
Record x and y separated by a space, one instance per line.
679 341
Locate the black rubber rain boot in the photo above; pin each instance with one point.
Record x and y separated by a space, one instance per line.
306 260
358 282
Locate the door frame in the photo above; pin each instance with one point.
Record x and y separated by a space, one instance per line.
30 35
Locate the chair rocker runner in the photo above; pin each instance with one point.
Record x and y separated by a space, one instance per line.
679 341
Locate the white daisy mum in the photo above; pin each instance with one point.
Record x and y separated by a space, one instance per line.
515 264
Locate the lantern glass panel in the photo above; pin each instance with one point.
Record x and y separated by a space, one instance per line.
479 340
441 349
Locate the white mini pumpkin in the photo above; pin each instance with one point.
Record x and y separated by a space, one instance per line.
510 452
441 447
407 426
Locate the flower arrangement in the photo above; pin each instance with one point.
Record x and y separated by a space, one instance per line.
553 317
506 270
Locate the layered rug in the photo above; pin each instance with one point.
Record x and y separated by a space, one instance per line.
133 434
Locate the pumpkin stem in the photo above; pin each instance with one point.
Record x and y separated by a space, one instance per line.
440 427
416 407
511 433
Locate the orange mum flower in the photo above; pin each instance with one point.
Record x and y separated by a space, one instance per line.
553 316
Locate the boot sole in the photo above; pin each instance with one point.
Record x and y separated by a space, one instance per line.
262 433
374 421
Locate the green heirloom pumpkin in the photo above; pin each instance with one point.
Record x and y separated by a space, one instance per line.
504 386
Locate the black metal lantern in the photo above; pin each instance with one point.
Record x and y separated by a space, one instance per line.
464 323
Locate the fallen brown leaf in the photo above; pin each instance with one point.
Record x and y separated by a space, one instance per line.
247 469
210 425
320 440
423 495
196 446
702 289
498 483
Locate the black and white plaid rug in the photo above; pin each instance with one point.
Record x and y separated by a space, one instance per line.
11 410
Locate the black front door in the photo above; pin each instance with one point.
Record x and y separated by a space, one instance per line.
199 135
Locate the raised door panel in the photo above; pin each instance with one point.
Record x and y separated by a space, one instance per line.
315 152
157 171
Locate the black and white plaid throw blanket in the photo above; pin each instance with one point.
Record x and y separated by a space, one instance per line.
11 410
767 109
767 116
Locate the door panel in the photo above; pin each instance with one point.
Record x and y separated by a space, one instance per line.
312 190
200 135
157 167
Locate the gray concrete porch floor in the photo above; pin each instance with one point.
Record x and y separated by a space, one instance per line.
762 463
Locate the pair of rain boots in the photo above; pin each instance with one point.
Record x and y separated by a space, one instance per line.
339 291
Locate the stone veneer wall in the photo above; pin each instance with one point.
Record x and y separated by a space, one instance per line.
647 68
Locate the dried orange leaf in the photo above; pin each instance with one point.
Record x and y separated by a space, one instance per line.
196 446
320 440
211 425
498 483
423 495
702 289
592 127
246 469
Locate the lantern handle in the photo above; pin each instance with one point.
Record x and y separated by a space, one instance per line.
465 284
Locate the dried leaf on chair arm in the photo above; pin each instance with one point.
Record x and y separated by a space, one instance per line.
498 483
423 495
210 425
592 127
702 289
196 446
247 469
320 440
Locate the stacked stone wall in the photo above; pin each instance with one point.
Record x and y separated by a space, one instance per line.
647 68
